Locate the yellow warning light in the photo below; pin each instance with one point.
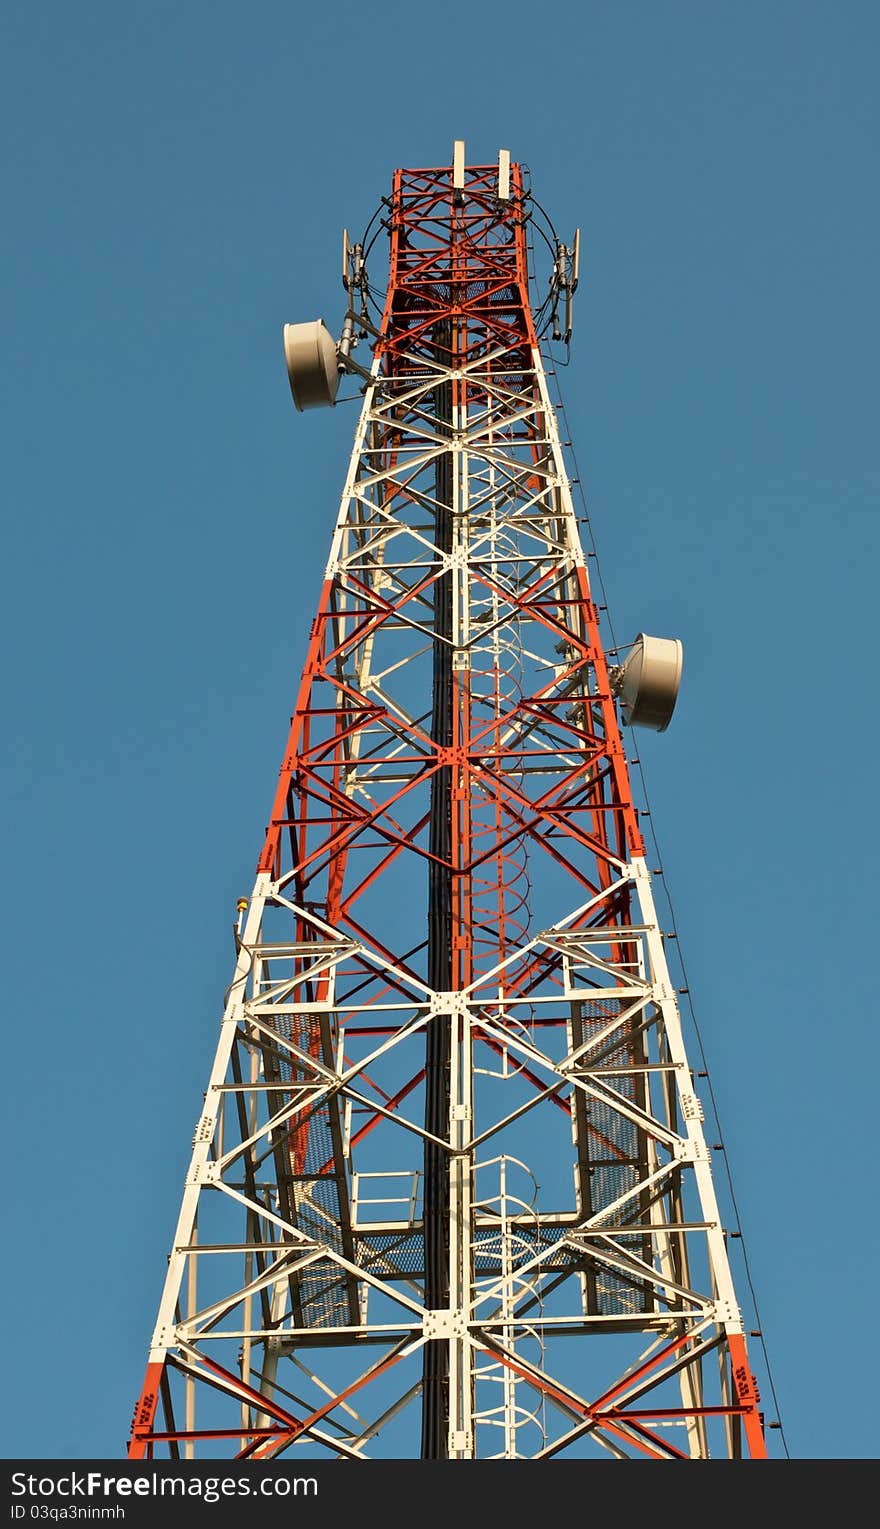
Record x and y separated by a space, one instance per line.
242 904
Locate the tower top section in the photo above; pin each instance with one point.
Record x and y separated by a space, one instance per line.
461 242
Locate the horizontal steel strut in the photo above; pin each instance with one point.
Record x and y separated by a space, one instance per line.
449 1191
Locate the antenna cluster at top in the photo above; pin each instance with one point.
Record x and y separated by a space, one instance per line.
316 362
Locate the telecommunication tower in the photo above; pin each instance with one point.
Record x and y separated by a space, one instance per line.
450 1194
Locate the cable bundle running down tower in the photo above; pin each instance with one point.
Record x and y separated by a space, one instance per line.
449 1193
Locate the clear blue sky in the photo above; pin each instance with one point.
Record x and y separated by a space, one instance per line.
175 180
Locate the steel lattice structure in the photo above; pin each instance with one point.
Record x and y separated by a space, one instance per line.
449 1192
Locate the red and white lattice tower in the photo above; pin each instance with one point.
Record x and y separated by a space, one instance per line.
449 1194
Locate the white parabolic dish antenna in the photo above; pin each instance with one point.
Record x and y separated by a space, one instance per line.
310 354
648 679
